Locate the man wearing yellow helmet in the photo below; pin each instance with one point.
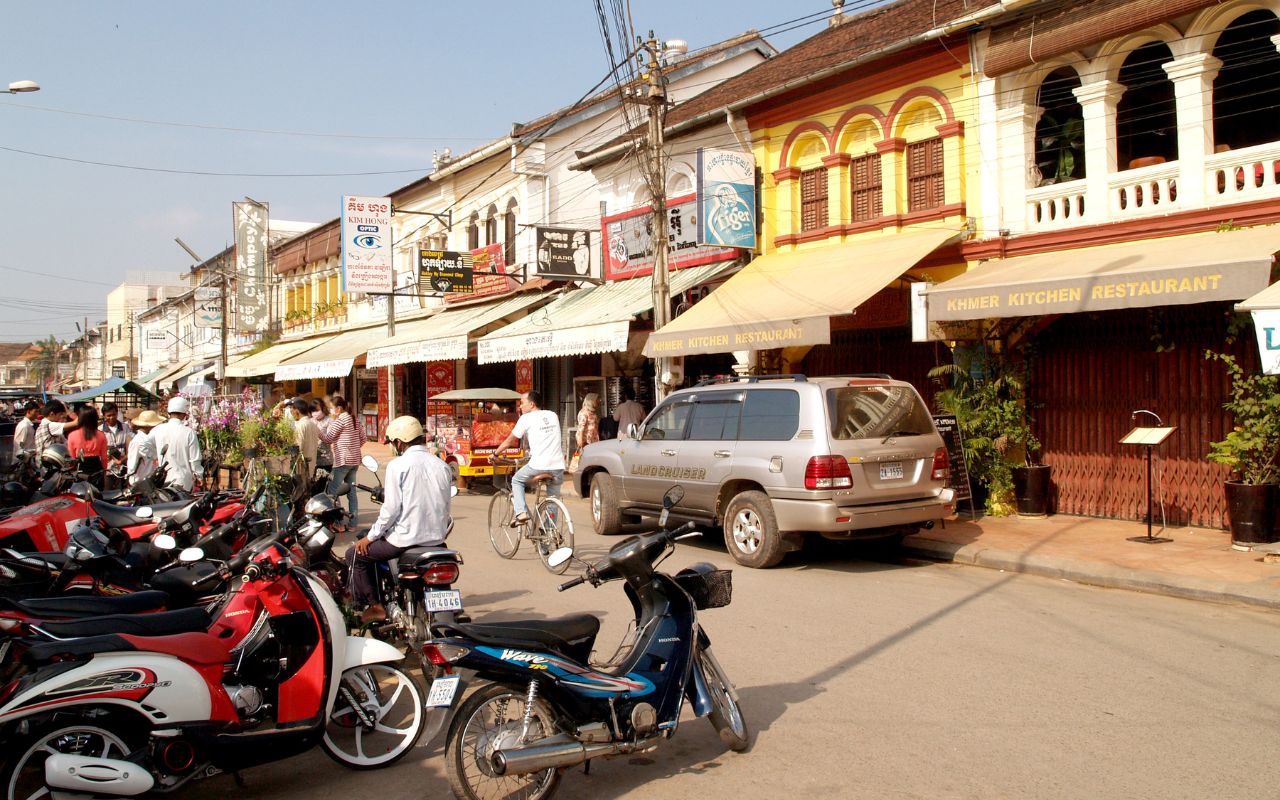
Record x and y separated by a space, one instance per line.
415 512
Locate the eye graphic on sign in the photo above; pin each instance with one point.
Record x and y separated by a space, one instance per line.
368 241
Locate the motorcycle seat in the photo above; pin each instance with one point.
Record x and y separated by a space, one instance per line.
183 620
46 652
127 516
89 606
571 635
416 558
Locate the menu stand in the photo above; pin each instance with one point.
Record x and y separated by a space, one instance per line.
1149 438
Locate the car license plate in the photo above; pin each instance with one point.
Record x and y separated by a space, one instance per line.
442 692
444 601
890 470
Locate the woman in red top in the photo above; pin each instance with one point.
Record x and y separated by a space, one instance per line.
87 441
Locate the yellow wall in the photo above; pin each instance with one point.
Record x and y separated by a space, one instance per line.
910 111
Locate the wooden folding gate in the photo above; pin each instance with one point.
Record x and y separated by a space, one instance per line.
1092 371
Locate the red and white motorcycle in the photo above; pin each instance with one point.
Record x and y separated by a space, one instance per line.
118 715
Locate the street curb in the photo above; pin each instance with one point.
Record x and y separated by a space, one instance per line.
1093 573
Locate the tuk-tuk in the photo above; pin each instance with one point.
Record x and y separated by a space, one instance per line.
481 419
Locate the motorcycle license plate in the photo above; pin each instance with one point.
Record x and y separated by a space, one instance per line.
444 601
442 692
890 470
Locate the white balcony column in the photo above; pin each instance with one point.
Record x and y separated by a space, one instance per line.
1098 101
1192 78
1017 138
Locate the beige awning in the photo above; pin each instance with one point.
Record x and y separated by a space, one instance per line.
1176 270
787 299
266 361
446 335
170 374
334 357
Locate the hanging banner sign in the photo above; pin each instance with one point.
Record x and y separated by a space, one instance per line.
488 275
444 271
440 378
250 222
366 244
564 254
626 244
1266 324
208 308
726 198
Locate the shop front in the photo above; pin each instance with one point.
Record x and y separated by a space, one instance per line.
1112 330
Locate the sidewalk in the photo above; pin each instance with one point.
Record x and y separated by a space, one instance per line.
1198 564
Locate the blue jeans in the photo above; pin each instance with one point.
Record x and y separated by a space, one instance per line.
522 477
343 479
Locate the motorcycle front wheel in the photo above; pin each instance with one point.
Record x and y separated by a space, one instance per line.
23 774
491 719
726 715
388 723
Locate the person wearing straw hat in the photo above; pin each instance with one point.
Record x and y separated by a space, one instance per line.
143 459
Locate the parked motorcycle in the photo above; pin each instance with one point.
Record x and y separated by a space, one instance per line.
544 708
273 675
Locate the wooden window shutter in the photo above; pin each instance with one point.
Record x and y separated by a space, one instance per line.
925 178
865 183
813 199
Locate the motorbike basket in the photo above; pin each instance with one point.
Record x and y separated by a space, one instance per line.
709 589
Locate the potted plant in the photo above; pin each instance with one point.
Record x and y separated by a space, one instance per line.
1249 451
987 397
1060 142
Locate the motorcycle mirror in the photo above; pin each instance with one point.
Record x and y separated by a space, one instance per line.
560 556
164 541
370 463
191 555
673 496
144 512
453 491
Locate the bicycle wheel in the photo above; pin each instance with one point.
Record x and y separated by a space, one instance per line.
555 530
506 539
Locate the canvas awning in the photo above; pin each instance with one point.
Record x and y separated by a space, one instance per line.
444 336
170 374
266 361
1175 270
109 386
787 299
595 319
332 358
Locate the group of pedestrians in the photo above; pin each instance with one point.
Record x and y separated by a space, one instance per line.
115 452
327 435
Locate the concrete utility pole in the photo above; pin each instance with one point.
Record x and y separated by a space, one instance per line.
655 173
225 287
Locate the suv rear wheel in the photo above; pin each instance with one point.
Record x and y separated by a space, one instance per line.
751 531
606 517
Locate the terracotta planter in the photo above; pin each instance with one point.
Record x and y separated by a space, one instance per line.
1251 507
1031 490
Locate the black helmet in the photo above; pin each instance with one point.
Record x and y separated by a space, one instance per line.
86 542
13 494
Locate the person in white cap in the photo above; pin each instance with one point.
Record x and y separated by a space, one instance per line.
415 512
178 447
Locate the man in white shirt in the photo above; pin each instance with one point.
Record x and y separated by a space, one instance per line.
143 458
178 448
546 452
24 433
415 512
306 434
628 412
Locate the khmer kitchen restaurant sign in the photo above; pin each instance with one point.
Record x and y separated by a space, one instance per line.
627 241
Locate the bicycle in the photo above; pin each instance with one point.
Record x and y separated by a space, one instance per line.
549 527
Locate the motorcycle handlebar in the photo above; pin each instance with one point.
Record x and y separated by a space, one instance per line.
578 581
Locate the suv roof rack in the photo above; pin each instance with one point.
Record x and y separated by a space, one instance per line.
715 379
884 376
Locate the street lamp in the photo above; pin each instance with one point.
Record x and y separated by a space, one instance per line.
18 87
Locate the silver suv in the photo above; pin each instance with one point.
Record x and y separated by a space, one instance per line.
772 458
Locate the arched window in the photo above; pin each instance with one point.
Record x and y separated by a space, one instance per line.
509 235
1146 119
1060 131
473 232
491 226
1246 93
679 184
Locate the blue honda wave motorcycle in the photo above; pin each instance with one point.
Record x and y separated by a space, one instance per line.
544 709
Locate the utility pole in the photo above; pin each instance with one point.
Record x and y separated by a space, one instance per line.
655 173
84 351
391 368
222 327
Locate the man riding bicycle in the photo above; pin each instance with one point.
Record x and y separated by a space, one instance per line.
546 454
415 512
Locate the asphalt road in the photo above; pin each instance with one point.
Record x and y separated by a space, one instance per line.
863 678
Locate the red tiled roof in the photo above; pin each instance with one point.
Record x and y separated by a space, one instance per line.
856 38
10 351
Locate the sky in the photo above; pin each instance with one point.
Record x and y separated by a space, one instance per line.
186 107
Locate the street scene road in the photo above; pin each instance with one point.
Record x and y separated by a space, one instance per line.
879 678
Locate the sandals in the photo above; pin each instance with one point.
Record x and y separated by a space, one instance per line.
519 519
